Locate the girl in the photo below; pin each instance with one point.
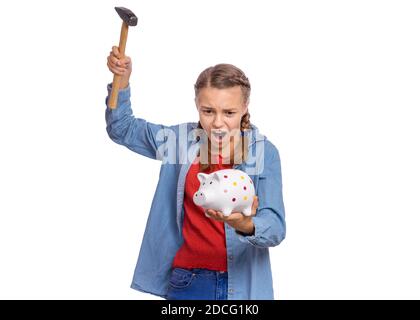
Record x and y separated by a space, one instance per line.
187 253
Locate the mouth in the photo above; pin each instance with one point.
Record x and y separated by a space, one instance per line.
219 135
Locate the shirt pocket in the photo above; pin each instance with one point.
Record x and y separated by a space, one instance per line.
181 278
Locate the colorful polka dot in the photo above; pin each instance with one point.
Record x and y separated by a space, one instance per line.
242 177
225 176
234 183
245 198
233 199
244 188
225 191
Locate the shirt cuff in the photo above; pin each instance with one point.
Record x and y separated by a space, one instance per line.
252 239
123 95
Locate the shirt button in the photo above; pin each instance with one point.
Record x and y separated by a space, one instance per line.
230 290
230 257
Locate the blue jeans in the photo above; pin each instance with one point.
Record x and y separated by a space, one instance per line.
197 284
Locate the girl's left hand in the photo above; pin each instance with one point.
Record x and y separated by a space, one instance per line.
237 220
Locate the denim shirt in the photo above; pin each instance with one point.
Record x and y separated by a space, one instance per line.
249 270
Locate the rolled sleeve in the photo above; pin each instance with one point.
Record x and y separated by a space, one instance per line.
123 98
269 221
134 133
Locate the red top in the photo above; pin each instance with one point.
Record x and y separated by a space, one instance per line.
204 238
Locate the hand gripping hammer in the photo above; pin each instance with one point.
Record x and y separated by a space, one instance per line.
129 19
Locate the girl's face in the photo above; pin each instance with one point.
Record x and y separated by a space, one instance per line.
220 112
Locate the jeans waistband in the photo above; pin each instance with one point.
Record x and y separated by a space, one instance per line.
207 272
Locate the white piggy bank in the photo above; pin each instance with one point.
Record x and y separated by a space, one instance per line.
228 191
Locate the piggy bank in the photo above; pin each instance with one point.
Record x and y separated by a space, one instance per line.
228 191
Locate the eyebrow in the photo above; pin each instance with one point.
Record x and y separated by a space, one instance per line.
210 108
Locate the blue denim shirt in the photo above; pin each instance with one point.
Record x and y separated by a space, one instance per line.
248 262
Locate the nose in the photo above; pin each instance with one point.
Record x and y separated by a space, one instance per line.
199 198
218 121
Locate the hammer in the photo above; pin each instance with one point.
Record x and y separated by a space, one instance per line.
129 19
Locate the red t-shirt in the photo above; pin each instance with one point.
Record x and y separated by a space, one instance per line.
204 238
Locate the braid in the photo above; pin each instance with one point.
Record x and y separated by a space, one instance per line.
245 123
242 81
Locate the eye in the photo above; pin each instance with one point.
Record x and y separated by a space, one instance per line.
207 111
211 182
230 113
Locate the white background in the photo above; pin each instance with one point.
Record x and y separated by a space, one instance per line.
335 86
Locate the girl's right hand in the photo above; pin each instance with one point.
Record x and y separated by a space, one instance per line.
119 65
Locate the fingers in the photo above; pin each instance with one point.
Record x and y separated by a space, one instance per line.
219 216
216 215
117 70
117 64
254 206
114 60
234 216
117 58
120 63
115 51
124 62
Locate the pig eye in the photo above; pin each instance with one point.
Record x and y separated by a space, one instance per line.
211 182
204 183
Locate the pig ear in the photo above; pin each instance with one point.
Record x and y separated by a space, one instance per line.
202 177
217 176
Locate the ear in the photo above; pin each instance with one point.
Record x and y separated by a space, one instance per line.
217 176
202 177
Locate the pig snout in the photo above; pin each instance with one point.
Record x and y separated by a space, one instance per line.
199 198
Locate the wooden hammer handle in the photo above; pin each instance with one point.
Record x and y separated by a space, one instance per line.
117 78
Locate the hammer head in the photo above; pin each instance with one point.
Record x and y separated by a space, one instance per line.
127 16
